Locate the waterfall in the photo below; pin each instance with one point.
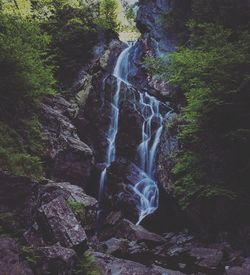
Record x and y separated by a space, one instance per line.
146 186
143 175
121 71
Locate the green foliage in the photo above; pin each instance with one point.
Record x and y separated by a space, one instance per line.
29 255
39 41
44 10
25 76
213 72
16 7
78 209
13 152
87 265
130 14
108 14
176 18
73 36
233 14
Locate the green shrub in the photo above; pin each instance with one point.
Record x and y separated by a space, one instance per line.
213 73
24 75
78 209
28 253
73 35
108 15
13 153
87 265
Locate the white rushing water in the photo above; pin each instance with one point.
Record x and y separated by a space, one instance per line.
146 188
143 175
121 73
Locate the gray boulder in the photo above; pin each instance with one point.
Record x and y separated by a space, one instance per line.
75 193
244 269
127 230
60 223
207 257
111 265
57 260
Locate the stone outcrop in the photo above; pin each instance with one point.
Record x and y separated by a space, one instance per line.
67 157
122 228
179 251
128 230
207 257
149 22
57 259
53 235
57 238
112 265
73 193
93 116
168 149
244 269
60 223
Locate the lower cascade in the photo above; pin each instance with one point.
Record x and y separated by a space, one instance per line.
144 185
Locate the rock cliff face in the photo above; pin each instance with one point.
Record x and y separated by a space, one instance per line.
67 157
150 23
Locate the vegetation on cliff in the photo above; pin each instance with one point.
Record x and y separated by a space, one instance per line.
43 44
211 68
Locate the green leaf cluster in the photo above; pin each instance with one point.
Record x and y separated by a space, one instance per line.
74 34
24 75
108 15
78 209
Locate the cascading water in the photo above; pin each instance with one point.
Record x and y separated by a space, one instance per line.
146 188
121 73
143 175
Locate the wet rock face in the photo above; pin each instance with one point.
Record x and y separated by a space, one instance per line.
122 228
130 124
133 232
94 116
149 21
67 156
168 149
11 262
119 195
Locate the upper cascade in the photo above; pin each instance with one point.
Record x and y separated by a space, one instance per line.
121 73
